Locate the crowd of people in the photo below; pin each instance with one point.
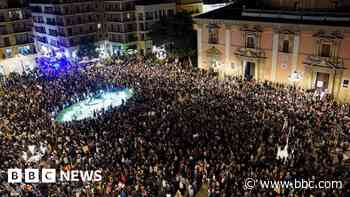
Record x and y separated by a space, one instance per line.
184 131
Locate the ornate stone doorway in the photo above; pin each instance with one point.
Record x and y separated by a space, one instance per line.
249 70
322 80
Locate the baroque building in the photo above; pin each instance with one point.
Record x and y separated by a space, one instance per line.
266 44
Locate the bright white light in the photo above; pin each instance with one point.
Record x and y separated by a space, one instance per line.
159 52
59 55
74 54
45 50
86 108
295 76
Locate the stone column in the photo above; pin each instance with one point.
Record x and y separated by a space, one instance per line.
274 55
227 44
337 83
199 45
295 51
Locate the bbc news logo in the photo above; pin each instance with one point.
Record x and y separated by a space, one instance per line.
52 176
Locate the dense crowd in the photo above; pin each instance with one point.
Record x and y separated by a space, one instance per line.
182 132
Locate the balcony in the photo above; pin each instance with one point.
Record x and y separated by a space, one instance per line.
329 62
40 31
36 9
26 41
149 18
53 34
20 30
119 20
7 44
53 23
57 1
250 53
5 32
53 12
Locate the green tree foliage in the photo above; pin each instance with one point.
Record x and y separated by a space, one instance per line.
177 34
87 48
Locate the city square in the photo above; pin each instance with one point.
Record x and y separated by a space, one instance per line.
176 98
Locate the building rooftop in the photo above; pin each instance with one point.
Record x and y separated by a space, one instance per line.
237 11
188 1
215 1
153 2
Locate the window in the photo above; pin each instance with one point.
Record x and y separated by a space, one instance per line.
70 32
170 12
213 35
7 41
140 16
346 83
250 42
285 46
325 50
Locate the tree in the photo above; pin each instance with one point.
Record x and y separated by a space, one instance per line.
87 48
176 33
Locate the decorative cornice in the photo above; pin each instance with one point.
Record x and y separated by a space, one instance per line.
301 27
250 53
255 28
329 35
325 62
213 51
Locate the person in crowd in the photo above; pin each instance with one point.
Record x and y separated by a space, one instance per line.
182 131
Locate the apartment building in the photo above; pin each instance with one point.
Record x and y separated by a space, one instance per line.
120 22
191 6
302 44
64 24
148 13
15 29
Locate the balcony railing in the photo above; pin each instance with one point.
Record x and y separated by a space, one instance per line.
333 62
58 1
5 32
250 53
19 30
20 42
54 12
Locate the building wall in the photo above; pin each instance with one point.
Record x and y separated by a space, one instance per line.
65 25
271 62
120 21
15 31
306 4
191 6
146 16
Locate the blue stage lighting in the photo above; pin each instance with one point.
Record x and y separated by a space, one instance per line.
55 63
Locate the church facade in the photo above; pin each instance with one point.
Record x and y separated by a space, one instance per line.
309 49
